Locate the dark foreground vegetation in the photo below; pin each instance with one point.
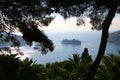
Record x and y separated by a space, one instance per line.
75 68
28 16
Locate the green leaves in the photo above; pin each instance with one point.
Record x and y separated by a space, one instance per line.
12 68
109 68
76 58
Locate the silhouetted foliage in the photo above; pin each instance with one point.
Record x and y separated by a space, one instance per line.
109 68
12 68
8 67
100 12
85 53
85 56
27 16
76 58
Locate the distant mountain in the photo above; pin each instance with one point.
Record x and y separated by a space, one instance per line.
114 37
7 42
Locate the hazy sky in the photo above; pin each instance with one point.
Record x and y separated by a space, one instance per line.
69 25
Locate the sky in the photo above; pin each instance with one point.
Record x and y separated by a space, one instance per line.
61 25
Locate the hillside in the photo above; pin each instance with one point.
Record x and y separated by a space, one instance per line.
7 42
114 37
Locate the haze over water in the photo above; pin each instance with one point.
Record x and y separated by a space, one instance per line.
62 51
60 29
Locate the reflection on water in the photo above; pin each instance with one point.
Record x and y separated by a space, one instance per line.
62 52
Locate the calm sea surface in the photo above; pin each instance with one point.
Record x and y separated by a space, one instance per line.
62 52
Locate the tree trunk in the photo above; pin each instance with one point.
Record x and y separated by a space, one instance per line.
104 37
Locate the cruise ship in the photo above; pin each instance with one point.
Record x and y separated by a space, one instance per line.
72 42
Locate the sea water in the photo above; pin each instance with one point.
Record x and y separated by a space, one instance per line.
90 40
